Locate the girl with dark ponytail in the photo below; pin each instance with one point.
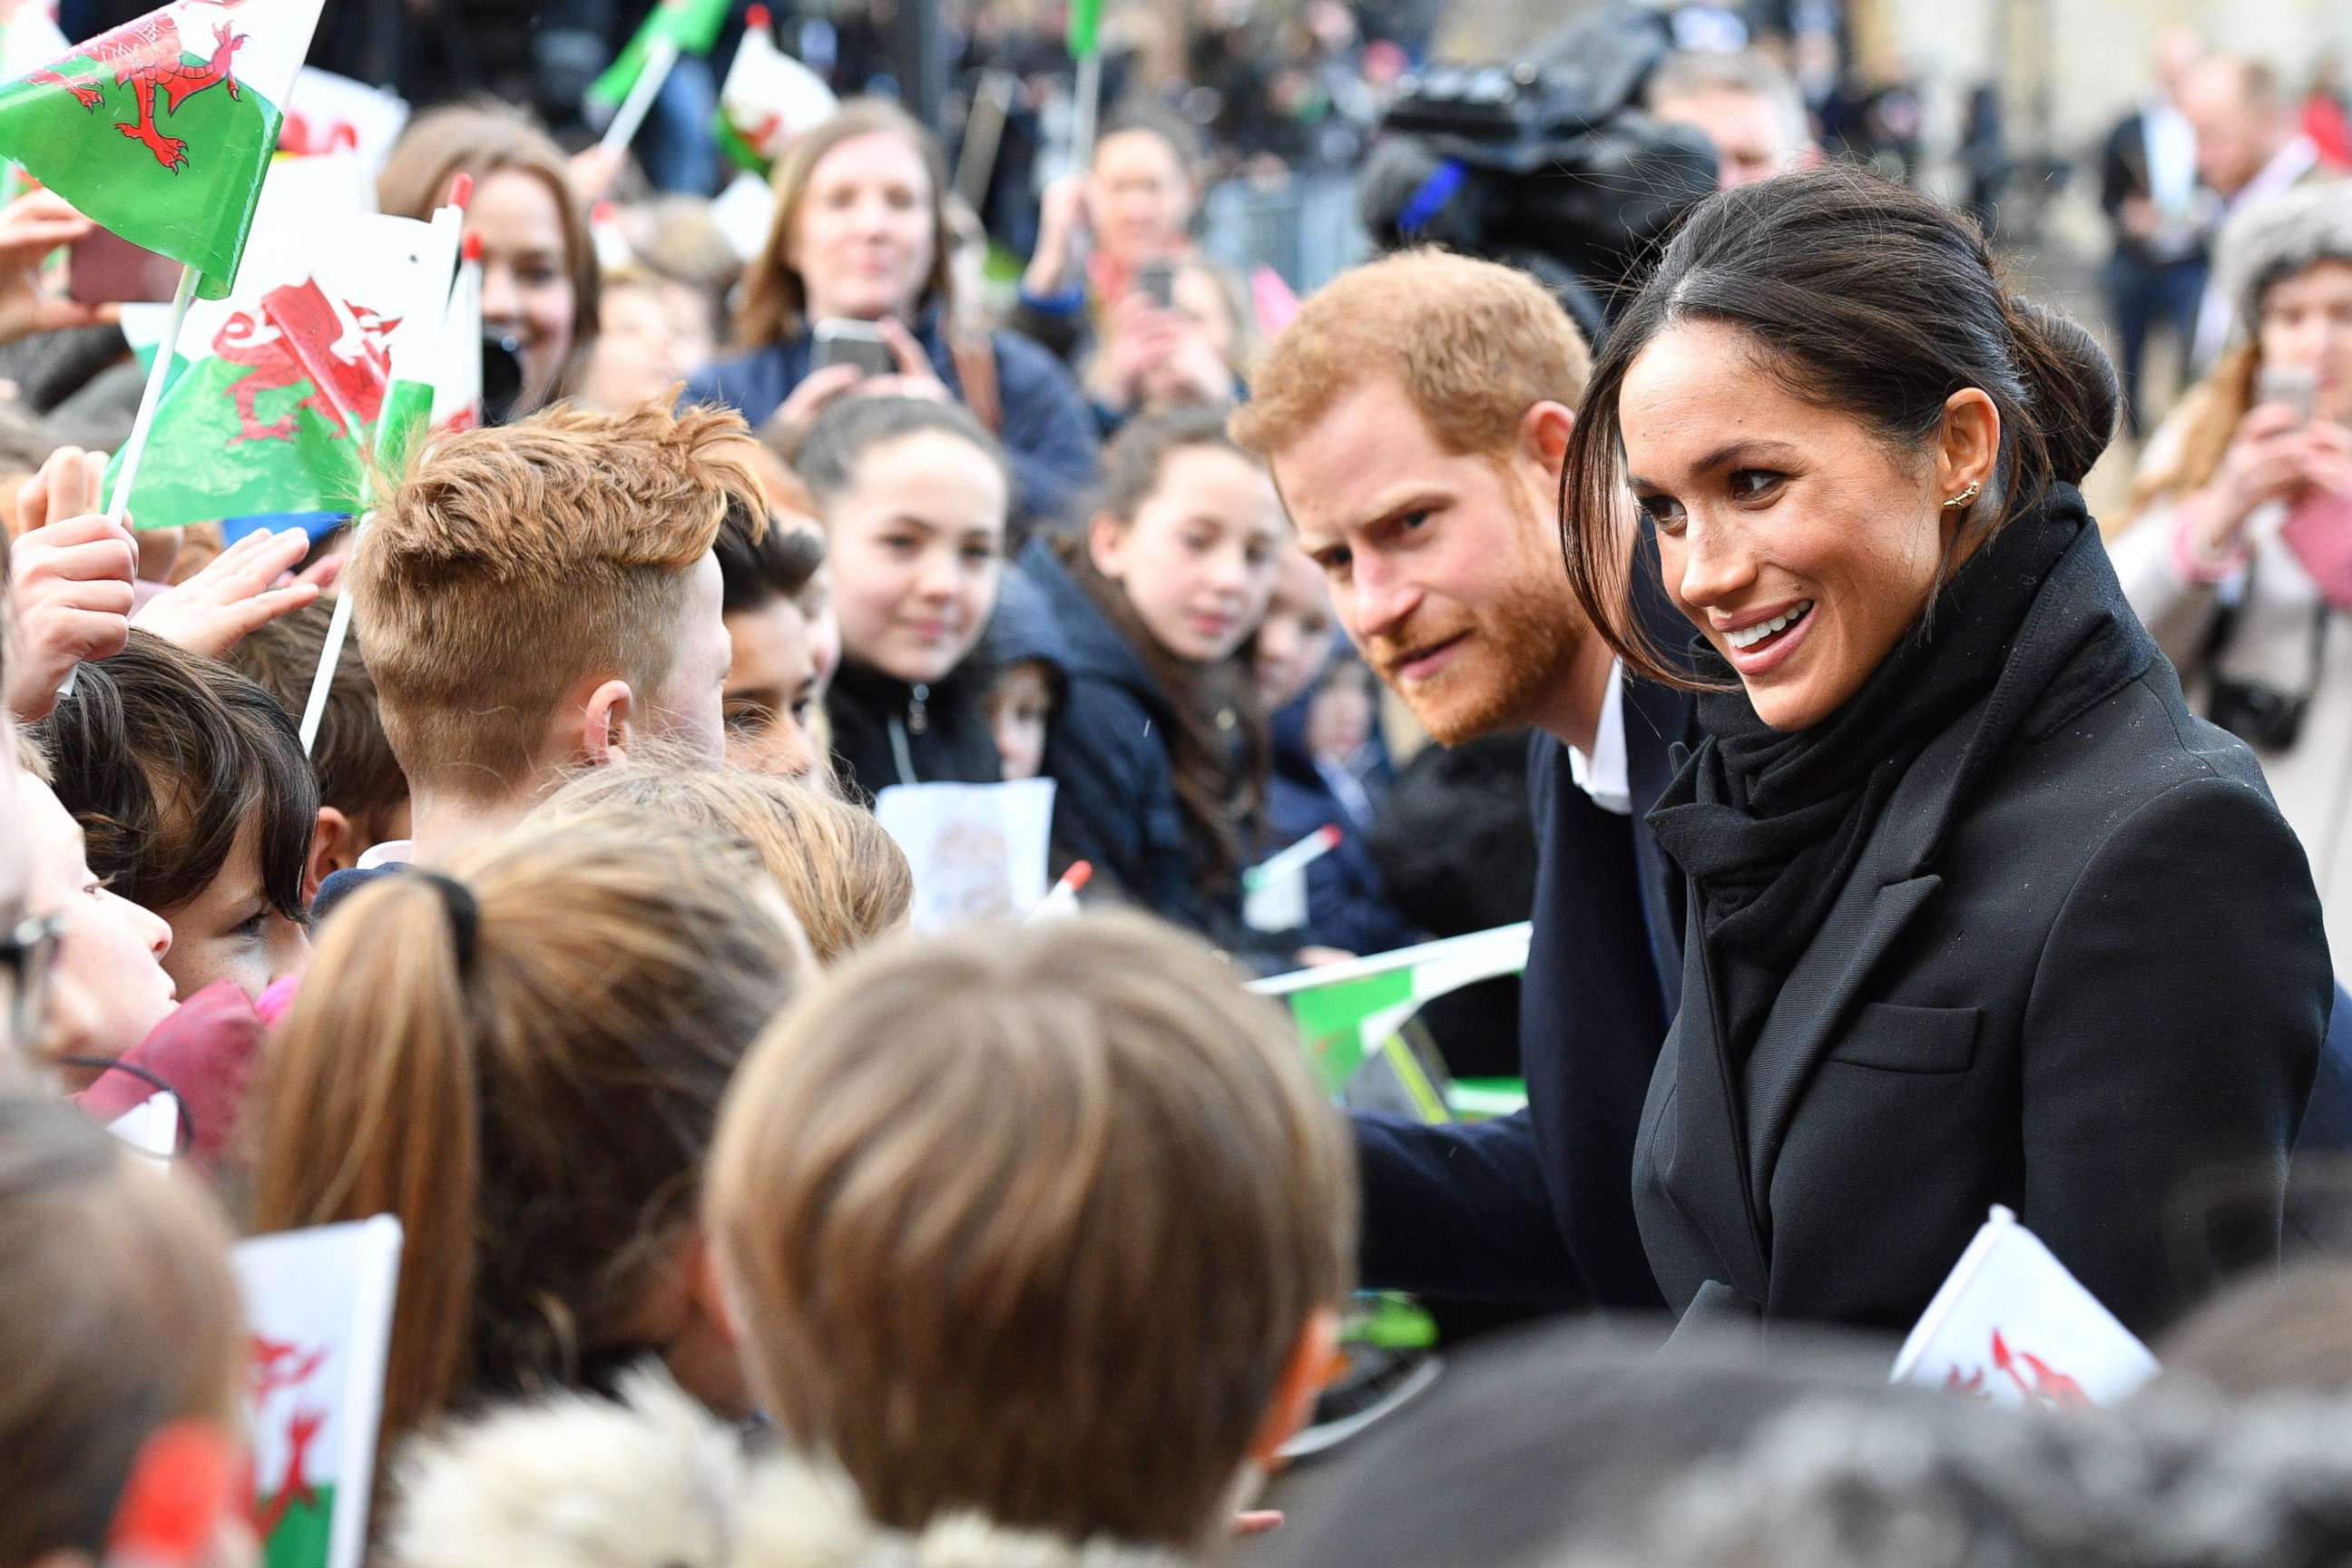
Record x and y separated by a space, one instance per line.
1980 913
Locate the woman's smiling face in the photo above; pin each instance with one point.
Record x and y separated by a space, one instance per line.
1797 538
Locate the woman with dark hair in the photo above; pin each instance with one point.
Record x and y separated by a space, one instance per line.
1980 913
861 236
538 264
1158 752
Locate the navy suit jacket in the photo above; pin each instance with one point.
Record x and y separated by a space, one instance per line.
1537 1208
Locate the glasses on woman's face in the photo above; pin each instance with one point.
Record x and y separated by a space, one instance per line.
28 952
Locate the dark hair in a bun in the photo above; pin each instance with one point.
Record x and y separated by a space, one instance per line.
2077 396
1866 297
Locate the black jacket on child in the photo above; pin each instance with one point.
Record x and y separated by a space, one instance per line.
1347 905
1115 801
887 731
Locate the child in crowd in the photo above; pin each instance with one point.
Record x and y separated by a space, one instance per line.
535 597
639 354
363 794
942 1194
845 879
1328 769
772 691
1035 1237
1031 659
523 1059
118 1318
1159 754
1193 347
913 493
197 805
103 987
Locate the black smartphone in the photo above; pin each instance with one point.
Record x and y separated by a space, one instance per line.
1156 281
858 343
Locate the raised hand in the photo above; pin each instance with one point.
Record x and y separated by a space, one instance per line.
241 590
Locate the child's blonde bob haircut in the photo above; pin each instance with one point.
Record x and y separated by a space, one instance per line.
1031 1222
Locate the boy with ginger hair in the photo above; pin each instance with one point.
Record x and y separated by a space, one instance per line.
532 598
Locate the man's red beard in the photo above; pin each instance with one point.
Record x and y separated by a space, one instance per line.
1515 650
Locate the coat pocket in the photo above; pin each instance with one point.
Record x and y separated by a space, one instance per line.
1896 1038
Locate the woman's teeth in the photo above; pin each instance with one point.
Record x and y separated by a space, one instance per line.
1747 637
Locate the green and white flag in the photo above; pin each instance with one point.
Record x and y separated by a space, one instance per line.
319 1308
1350 1014
163 129
768 97
273 403
689 26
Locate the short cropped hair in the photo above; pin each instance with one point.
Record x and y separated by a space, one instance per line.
1474 344
163 757
512 564
1027 1221
1697 73
358 776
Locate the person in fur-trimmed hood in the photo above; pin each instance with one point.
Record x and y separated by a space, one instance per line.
654 1480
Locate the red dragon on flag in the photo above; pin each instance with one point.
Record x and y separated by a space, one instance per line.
291 341
148 58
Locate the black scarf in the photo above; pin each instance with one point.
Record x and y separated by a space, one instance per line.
1769 823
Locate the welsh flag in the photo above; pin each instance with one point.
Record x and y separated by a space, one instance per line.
768 97
1349 1014
277 392
163 129
690 26
319 1306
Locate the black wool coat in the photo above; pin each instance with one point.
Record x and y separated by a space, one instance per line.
2091 986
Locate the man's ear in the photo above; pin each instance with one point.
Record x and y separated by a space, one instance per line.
1106 536
1544 432
334 846
1304 1373
605 721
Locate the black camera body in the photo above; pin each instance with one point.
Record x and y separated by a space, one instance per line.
1547 163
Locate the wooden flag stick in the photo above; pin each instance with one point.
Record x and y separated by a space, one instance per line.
127 477
661 58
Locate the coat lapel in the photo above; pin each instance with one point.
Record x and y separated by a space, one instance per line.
1889 885
1706 1171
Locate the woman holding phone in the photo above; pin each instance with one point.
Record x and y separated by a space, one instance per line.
2237 550
850 298
1979 912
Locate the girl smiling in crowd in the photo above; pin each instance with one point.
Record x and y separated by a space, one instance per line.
1158 752
913 494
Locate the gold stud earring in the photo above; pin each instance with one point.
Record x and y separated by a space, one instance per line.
1963 499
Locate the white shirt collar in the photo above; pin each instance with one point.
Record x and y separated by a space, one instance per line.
1602 775
391 852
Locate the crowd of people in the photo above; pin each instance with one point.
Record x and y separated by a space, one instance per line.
1899 841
